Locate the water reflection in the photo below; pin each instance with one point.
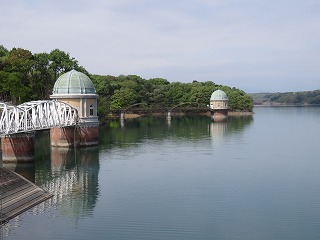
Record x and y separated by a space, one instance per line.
232 125
217 130
238 124
169 121
70 174
156 128
189 128
73 180
175 185
26 170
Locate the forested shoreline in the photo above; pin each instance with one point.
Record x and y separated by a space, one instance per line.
287 98
27 76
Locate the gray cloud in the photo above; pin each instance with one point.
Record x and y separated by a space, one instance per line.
249 44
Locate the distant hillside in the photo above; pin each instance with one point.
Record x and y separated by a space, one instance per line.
287 98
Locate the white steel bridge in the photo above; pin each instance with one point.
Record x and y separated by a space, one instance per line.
35 115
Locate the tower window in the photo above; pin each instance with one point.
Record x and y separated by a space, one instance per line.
91 108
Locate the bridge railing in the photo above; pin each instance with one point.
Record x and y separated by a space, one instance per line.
36 115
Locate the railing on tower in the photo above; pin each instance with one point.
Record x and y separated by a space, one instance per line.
36 115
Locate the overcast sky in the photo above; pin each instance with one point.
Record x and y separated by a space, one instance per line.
254 45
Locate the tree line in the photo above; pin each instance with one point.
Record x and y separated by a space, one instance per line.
287 98
123 91
25 76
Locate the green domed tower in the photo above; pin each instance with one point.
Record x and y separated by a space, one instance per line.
77 90
219 104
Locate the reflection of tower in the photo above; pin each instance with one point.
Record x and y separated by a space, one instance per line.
77 90
74 180
169 119
122 123
60 157
217 131
219 103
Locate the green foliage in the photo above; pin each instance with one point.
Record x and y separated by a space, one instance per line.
306 97
41 81
12 88
123 97
122 91
25 76
103 109
3 56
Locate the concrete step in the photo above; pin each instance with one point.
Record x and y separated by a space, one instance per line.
18 194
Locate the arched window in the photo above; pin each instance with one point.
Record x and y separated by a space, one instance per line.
91 108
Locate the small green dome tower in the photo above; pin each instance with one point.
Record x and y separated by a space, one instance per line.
219 105
76 89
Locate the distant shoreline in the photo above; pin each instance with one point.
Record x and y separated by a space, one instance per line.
285 105
232 114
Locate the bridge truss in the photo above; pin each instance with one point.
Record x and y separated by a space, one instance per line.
36 115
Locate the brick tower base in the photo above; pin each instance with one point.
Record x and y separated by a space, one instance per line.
75 136
18 147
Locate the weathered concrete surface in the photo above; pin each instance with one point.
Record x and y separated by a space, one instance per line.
18 194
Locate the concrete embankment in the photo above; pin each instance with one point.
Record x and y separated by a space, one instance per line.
18 195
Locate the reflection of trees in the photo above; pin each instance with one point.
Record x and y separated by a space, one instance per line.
238 124
136 130
186 127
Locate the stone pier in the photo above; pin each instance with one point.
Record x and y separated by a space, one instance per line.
75 136
88 135
64 137
219 115
18 147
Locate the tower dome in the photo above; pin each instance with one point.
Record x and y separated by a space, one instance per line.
219 95
77 90
219 100
73 82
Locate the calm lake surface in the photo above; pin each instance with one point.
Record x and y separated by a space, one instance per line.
252 177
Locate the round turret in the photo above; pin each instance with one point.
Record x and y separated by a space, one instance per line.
77 90
219 95
73 82
219 100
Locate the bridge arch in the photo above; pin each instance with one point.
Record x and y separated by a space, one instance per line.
136 104
36 115
181 104
123 111
169 110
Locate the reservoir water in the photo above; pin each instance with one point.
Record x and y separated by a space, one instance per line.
254 177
